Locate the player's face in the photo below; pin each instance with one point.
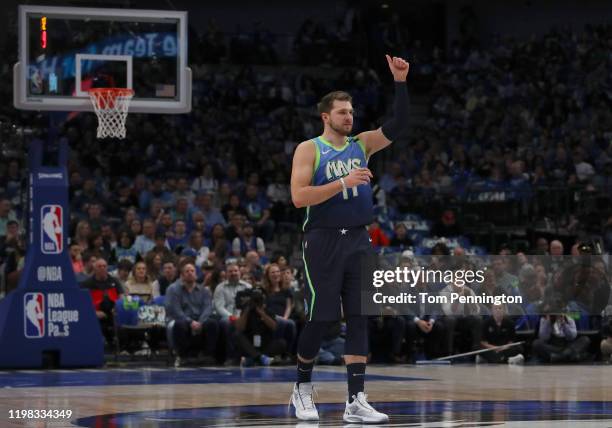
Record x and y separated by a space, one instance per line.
340 119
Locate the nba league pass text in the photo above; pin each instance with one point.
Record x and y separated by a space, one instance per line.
47 315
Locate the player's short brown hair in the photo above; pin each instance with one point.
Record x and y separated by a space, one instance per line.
327 102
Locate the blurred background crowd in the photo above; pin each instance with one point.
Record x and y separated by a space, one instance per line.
509 152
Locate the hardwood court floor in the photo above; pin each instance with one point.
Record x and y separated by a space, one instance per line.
427 396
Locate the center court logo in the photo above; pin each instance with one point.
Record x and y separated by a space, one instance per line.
34 315
51 230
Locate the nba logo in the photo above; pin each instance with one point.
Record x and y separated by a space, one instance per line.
34 315
51 229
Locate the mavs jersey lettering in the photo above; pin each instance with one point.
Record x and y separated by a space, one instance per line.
352 208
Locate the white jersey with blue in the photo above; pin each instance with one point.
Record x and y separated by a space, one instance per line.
347 209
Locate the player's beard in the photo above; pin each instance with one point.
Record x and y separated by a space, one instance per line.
341 129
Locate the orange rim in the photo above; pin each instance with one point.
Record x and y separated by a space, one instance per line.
109 95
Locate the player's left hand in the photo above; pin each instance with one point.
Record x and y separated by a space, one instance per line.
399 68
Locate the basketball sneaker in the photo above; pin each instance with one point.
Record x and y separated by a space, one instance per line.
302 401
518 359
360 411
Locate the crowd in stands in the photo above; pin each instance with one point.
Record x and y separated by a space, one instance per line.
185 213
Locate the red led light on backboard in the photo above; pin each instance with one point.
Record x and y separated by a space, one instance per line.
43 32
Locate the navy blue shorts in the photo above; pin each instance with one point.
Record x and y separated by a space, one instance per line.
332 264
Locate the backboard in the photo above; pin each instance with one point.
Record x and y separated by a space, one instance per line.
64 51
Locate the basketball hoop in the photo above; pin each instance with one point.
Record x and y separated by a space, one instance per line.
111 106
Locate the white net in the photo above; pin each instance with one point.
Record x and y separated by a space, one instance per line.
111 106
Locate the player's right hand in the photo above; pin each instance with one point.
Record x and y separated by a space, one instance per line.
358 176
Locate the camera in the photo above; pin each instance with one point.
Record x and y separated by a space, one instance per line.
553 305
250 298
257 298
590 247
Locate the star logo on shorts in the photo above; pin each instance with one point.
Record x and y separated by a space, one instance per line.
343 231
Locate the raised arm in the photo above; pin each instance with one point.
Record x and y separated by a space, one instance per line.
380 138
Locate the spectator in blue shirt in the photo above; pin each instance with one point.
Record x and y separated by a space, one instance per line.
183 191
248 241
258 212
145 242
181 210
179 237
232 178
156 191
190 306
212 215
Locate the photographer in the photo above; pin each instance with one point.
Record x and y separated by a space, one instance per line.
583 281
255 329
557 340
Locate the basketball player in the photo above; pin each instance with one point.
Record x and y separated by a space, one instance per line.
331 179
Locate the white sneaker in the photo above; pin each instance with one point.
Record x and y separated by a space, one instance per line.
518 359
302 401
145 351
480 360
360 411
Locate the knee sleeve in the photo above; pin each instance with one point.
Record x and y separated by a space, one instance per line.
311 338
356 336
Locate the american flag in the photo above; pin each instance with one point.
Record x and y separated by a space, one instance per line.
165 91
